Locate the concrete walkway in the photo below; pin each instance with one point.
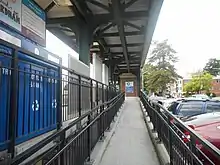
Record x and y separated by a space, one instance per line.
131 144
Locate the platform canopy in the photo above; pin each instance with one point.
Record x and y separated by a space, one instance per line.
121 29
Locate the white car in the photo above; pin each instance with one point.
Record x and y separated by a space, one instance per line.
200 96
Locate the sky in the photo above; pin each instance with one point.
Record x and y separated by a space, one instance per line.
192 27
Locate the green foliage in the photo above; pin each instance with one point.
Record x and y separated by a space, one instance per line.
210 94
213 66
200 82
160 70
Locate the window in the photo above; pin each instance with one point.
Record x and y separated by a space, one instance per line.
172 107
191 108
213 107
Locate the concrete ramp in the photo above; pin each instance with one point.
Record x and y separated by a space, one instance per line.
130 144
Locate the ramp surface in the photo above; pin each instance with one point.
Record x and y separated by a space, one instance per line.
130 144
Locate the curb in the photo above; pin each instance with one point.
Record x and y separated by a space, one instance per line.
104 143
159 147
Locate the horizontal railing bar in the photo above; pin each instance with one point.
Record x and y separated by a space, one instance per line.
18 159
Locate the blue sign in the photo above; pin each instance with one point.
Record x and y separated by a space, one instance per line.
129 87
39 50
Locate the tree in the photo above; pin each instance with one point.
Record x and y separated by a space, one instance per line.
163 55
160 70
213 66
200 82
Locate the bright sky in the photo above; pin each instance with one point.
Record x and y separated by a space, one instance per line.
193 28
58 47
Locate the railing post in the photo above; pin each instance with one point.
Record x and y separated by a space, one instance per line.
107 93
89 137
80 101
103 94
170 140
59 100
89 120
97 93
102 109
80 96
91 93
13 104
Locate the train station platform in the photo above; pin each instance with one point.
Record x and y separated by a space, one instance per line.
130 143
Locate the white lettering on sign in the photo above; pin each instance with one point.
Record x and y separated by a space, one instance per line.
51 80
35 79
6 71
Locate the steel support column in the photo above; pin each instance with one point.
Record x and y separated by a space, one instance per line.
84 39
138 82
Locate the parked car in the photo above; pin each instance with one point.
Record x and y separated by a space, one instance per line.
192 107
200 96
208 126
167 102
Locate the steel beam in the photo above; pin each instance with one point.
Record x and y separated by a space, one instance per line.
100 18
130 3
96 3
117 34
77 10
50 6
128 45
105 28
117 15
120 45
132 25
64 30
121 53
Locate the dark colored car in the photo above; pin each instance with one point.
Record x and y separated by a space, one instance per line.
191 107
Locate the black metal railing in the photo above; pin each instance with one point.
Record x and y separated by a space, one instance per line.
77 149
38 97
190 149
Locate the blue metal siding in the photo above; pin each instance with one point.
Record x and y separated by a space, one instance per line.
37 92
5 65
37 80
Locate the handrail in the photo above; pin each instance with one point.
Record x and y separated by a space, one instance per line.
91 123
24 155
166 118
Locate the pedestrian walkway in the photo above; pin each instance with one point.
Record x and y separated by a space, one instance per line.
130 144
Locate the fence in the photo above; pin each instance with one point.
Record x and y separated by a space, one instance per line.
76 150
190 149
38 96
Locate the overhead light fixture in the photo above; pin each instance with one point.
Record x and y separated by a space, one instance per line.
95 43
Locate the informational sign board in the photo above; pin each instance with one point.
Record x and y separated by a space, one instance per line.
39 50
129 87
33 22
10 13
23 17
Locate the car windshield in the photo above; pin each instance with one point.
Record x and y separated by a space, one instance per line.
213 107
172 107
190 108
